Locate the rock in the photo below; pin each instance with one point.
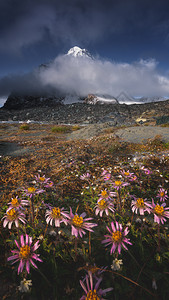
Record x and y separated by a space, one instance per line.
116 114
21 102
141 120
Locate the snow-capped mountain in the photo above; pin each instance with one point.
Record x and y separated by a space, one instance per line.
124 98
55 96
151 99
78 52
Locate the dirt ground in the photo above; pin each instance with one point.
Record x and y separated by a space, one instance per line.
15 142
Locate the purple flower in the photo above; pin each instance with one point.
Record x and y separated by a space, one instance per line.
56 215
117 238
127 174
160 212
17 203
30 191
104 205
42 179
106 175
107 194
162 194
140 205
93 292
146 171
25 253
13 215
118 184
79 224
49 184
85 176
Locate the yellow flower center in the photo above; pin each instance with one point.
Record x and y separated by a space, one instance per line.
104 194
56 212
24 252
93 269
162 194
102 204
12 214
14 202
159 209
92 295
118 182
31 189
126 173
140 202
116 236
41 178
77 221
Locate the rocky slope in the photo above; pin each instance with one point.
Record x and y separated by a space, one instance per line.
115 114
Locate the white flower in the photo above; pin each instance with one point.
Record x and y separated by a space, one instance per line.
52 233
116 264
25 285
138 220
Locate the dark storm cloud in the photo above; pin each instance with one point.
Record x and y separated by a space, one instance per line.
25 23
33 23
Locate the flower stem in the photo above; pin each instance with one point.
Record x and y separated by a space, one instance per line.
158 231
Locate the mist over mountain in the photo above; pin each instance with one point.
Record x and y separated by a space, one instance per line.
78 73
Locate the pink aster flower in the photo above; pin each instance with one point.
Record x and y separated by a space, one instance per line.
146 171
57 216
106 175
118 184
127 174
79 224
13 215
17 203
130 176
85 176
92 290
104 205
117 237
41 179
160 212
25 253
49 184
140 205
105 194
162 194
30 191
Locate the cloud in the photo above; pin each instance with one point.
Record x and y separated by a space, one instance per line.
84 76
26 30
81 76
26 23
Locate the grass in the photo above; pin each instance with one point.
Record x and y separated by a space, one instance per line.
60 129
24 127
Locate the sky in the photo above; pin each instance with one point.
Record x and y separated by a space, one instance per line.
129 40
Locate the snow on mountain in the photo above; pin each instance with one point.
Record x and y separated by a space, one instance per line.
151 99
124 98
100 99
78 52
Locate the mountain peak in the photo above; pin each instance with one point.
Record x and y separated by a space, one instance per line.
78 52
